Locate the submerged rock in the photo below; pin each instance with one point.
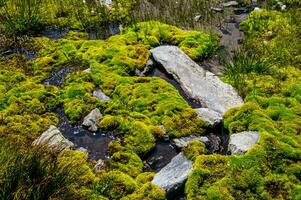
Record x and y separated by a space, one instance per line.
210 116
54 138
240 143
91 120
173 175
183 142
99 94
196 82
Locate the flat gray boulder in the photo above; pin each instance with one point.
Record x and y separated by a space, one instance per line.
99 94
197 83
240 143
183 142
212 117
91 121
174 174
54 138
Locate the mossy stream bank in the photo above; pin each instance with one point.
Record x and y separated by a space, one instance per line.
48 82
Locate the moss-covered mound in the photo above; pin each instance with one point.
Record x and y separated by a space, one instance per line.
271 169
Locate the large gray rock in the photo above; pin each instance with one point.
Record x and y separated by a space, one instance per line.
198 83
183 142
212 117
91 121
240 143
99 94
174 174
54 138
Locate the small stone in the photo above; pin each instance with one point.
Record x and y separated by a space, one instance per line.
197 18
91 120
54 138
183 142
265 42
240 143
283 7
99 165
230 4
99 94
216 9
257 9
270 33
87 70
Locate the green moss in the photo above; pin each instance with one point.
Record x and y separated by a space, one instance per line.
276 29
148 191
144 178
126 162
207 170
194 149
140 140
115 185
114 146
195 44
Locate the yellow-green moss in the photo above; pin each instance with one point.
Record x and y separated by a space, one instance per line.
148 191
115 185
194 149
127 162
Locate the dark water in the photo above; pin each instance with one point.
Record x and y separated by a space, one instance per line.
95 143
57 77
30 55
160 156
54 34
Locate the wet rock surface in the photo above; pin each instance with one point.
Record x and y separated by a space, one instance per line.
210 116
196 82
160 156
240 143
54 138
172 177
91 120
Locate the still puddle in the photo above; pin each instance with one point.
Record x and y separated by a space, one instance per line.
95 143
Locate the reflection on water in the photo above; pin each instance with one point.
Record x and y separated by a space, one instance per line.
95 143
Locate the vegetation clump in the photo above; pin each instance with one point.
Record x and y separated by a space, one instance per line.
271 86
